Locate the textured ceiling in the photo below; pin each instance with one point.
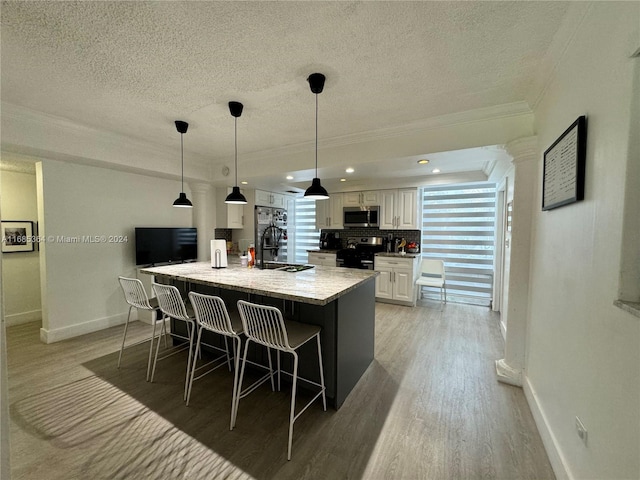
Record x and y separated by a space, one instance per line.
132 68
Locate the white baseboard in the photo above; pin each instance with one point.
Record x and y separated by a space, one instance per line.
58 334
23 317
549 440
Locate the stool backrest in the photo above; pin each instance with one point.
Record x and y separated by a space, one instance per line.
211 312
134 293
170 301
264 324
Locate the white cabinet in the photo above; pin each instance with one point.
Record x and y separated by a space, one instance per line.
229 215
396 281
361 199
270 199
323 259
399 209
329 212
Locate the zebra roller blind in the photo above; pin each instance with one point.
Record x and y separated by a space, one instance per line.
458 226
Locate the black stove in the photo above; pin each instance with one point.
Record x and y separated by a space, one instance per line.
360 252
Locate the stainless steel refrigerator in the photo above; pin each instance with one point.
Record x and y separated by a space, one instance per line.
271 235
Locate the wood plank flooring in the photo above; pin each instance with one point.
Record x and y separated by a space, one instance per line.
428 407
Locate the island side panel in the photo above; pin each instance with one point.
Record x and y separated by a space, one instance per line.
355 335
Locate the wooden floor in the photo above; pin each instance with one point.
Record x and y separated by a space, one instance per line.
428 407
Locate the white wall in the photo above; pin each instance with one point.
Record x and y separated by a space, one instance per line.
79 280
583 352
21 271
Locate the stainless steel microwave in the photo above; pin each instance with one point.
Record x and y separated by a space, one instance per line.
361 216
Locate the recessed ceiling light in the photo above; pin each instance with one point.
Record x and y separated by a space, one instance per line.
436 170
349 170
343 179
423 161
244 183
289 177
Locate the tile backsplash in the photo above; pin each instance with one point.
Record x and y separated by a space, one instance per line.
355 233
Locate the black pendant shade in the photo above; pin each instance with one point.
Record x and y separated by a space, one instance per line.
316 191
236 197
182 200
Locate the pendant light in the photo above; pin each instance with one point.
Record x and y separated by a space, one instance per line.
182 200
235 196
316 191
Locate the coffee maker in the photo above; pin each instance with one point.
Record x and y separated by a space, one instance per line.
329 241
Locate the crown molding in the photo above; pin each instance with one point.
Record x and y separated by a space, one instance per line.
450 120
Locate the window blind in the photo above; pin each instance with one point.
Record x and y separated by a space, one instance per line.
306 234
458 227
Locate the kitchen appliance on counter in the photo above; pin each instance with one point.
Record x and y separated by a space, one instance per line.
271 235
218 253
329 241
360 252
361 217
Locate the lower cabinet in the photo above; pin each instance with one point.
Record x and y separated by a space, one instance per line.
322 259
396 280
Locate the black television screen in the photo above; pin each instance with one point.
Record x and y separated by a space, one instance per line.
163 245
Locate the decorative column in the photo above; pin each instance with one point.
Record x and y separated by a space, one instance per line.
201 213
524 153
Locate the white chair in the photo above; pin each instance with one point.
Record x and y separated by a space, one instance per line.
264 325
212 315
172 306
136 296
432 274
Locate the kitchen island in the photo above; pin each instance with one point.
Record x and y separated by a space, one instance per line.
340 300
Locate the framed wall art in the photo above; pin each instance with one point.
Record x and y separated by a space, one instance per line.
17 236
564 167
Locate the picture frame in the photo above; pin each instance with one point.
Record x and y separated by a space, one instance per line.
564 167
17 236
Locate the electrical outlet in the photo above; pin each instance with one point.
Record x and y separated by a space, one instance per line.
582 431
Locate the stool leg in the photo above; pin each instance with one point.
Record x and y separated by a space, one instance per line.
191 374
239 389
293 403
273 388
324 399
155 359
153 336
236 348
191 329
126 325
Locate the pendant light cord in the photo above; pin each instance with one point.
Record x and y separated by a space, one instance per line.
316 135
235 132
182 160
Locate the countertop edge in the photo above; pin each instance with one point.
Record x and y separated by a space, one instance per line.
284 296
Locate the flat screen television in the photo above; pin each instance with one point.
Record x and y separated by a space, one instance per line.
163 245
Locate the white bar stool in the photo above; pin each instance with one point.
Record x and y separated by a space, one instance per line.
212 315
136 296
264 325
172 306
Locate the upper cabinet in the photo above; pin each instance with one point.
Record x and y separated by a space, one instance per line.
230 215
399 209
329 212
361 199
270 199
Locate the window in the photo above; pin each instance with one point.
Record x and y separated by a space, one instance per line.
306 234
458 226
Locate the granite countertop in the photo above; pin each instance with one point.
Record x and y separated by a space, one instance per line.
318 285
323 250
391 254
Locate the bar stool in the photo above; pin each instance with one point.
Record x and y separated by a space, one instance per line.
212 315
264 325
172 306
136 296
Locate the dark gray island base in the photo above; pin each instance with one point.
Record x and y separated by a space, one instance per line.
347 320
